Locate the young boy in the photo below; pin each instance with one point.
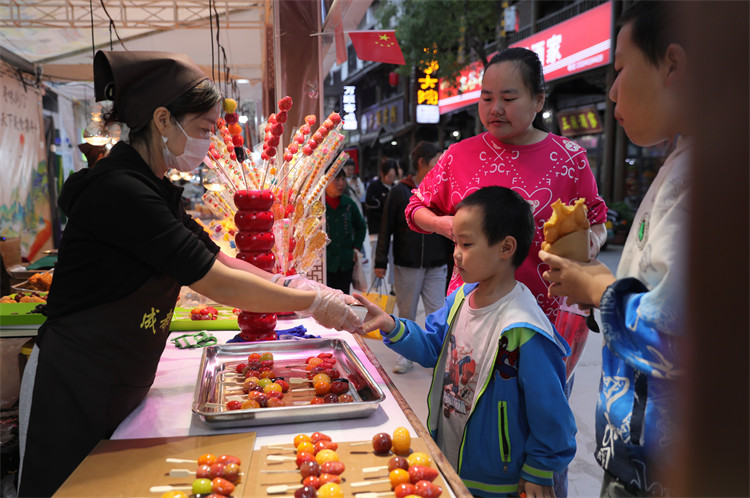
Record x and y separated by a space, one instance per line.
642 307
497 407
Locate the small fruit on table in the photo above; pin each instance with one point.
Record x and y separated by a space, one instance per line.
381 443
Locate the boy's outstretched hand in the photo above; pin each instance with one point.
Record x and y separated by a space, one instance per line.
527 489
376 318
582 283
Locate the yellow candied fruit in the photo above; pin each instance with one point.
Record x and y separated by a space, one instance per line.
299 438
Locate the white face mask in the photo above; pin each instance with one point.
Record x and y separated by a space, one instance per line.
193 155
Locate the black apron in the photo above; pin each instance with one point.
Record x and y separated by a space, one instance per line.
95 367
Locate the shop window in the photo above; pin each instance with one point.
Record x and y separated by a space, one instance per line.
641 166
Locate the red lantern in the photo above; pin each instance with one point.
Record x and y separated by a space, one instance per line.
393 78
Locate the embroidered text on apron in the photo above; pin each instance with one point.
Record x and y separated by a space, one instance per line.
95 367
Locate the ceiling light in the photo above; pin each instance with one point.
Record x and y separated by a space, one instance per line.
393 142
456 133
242 119
242 81
546 114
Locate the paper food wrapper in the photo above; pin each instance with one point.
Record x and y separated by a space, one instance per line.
572 246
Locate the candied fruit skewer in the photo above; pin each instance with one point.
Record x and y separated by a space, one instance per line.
186 473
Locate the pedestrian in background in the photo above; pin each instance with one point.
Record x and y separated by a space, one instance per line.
642 308
346 229
420 260
354 186
377 192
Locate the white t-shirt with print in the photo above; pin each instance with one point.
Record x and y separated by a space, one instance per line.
467 360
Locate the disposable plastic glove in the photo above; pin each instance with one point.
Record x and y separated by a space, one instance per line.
302 283
330 310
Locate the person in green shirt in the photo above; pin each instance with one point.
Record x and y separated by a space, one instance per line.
346 228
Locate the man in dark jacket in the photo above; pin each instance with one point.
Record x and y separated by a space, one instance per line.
420 267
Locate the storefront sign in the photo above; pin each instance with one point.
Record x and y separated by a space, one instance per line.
349 101
585 121
376 117
573 46
427 95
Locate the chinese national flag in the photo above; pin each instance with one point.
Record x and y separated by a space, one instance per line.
378 46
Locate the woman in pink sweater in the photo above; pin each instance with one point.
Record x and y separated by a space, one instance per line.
515 152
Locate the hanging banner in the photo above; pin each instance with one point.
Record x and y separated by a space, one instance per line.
24 204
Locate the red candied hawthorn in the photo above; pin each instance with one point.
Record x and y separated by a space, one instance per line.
285 103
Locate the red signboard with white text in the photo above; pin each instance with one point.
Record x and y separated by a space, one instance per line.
570 47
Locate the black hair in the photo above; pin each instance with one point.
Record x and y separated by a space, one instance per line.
531 73
350 162
426 150
653 27
504 213
387 165
199 99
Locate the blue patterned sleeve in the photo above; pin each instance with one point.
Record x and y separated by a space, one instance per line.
635 332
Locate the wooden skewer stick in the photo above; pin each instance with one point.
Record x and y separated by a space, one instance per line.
279 471
370 494
281 458
375 469
186 473
181 460
280 447
362 484
164 489
360 443
281 488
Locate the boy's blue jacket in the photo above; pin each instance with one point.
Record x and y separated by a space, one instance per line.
521 425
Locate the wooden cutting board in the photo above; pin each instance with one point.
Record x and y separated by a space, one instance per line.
129 467
355 456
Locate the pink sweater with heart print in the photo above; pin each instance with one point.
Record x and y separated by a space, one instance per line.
555 168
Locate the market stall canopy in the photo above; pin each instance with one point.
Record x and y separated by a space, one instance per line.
56 36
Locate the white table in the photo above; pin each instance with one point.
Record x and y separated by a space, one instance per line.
167 409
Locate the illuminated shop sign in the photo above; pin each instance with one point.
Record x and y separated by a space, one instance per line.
584 121
428 96
573 46
349 101
390 113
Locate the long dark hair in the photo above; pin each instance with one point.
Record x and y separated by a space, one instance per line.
531 74
199 99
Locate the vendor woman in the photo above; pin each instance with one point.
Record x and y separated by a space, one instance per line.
127 249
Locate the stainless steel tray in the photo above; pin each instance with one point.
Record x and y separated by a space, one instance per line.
218 362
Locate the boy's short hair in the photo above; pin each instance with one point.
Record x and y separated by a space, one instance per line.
504 213
653 27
